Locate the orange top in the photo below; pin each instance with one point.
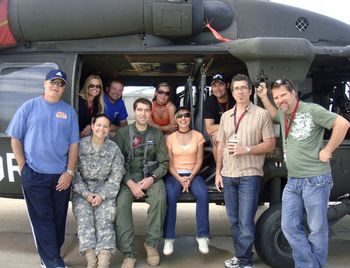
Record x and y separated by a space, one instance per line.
165 119
184 156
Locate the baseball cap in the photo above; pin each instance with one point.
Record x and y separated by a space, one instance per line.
56 74
218 77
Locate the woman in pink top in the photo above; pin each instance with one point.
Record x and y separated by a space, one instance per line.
185 149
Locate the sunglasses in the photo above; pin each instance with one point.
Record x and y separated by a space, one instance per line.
185 115
284 82
96 86
161 92
57 83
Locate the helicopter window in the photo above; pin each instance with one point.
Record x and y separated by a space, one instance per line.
19 82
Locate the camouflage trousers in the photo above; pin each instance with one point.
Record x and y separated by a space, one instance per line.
95 225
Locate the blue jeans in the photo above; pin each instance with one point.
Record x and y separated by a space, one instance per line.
199 191
310 195
241 199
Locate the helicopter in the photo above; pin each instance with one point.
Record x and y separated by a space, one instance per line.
182 42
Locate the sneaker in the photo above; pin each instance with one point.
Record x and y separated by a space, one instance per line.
168 247
203 245
152 255
232 263
42 265
128 263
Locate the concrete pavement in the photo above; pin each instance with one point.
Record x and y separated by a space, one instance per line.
17 247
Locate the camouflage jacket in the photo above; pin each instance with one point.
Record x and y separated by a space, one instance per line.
98 171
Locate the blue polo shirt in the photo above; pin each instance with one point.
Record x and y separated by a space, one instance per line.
116 112
46 130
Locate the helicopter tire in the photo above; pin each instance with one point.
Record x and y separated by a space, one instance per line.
270 243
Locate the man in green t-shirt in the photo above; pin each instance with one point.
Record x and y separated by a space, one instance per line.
309 173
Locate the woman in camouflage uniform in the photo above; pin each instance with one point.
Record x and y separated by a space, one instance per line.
96 184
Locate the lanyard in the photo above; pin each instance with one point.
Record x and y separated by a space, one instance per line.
286 125
235 122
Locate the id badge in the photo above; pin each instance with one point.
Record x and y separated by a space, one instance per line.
233 139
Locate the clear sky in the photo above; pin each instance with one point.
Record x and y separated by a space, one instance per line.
338 9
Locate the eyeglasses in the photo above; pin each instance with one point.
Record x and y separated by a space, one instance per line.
242 88
57 83
96 86
185 115
280 82
161 92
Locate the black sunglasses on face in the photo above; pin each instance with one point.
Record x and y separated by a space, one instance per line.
57 83
96 86
185 115
161 92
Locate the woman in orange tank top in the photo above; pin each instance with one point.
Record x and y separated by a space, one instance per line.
186 150
163 109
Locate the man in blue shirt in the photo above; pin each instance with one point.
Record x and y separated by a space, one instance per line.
114 105
44 138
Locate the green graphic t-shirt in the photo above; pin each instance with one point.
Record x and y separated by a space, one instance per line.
305 140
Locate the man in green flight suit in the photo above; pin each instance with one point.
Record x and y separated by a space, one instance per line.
146 162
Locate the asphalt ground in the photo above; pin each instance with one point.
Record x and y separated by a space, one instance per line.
17 247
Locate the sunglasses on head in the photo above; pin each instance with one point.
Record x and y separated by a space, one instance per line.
280 82
93 85
185 115
161 92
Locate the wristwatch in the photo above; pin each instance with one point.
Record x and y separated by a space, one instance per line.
248 149
70 172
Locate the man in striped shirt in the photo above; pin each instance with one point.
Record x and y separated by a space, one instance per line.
245 135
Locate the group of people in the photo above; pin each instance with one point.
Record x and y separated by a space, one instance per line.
158 157
107 172
245 135
93 101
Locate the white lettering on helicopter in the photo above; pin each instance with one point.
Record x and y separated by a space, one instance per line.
12 167
2 173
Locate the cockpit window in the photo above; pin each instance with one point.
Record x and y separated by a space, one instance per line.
19 82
